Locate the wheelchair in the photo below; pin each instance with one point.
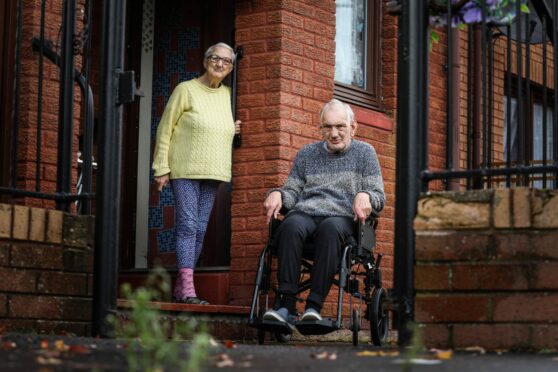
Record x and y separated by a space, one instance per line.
358 277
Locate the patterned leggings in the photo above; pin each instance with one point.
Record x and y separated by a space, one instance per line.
194 201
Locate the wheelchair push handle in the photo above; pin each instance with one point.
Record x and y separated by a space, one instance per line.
378 261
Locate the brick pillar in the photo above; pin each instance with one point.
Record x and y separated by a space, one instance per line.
46 270
284 79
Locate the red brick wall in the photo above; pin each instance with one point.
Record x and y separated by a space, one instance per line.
485 270
284 79
46 270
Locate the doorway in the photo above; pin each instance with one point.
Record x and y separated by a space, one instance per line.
166 42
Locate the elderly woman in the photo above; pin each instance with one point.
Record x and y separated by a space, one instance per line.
193 153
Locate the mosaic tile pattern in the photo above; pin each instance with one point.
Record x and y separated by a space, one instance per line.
166 240
155 217
167 197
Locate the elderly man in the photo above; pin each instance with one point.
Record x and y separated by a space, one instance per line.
332 183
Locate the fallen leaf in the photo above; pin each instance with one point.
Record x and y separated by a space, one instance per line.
322 355
48 360
78 349
245 364
367 353
223 360
389 353
60 345
212 342
418 361
476 349
8 345
229 344
500 351
441 354
44 344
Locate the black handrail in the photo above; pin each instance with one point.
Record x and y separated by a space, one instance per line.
46 47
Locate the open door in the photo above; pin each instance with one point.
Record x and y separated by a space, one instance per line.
166 42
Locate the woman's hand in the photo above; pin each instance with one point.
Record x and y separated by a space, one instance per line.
162 181
237 127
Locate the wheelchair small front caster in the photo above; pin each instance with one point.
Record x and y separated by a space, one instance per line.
355 326
283 338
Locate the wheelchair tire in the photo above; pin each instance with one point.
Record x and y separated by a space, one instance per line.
379 317
356 326
283 338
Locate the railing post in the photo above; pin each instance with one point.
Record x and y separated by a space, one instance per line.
109 174
412 112
66 116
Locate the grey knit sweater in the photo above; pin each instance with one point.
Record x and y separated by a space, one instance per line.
325 184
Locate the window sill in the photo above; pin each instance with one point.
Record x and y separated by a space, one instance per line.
373 118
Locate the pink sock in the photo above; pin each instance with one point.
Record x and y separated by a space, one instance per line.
188 289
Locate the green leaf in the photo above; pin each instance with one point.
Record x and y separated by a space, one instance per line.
525 8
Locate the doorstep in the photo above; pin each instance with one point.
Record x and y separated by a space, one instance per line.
202 309
224 322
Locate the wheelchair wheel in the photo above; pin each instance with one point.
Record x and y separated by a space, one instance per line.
283 338
379 317
356 326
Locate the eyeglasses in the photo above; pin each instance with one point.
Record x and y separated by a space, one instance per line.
340 127
215 59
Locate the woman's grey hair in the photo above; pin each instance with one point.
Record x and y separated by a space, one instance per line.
335 102
211 49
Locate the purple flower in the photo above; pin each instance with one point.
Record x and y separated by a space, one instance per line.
471 12
472 15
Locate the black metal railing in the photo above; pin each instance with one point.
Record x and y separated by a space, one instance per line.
71 49
520 147
508 136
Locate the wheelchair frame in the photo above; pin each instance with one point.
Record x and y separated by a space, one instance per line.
358 250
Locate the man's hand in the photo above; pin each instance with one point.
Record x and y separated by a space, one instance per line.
362 206
272 205
162 181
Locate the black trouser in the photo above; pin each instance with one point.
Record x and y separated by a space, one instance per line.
327 233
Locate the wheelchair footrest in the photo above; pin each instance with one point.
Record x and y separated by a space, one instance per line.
272 326
317 327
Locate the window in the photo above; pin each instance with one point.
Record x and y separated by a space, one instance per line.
357 52
534 138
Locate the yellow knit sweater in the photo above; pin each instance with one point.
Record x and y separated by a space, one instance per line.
194 137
